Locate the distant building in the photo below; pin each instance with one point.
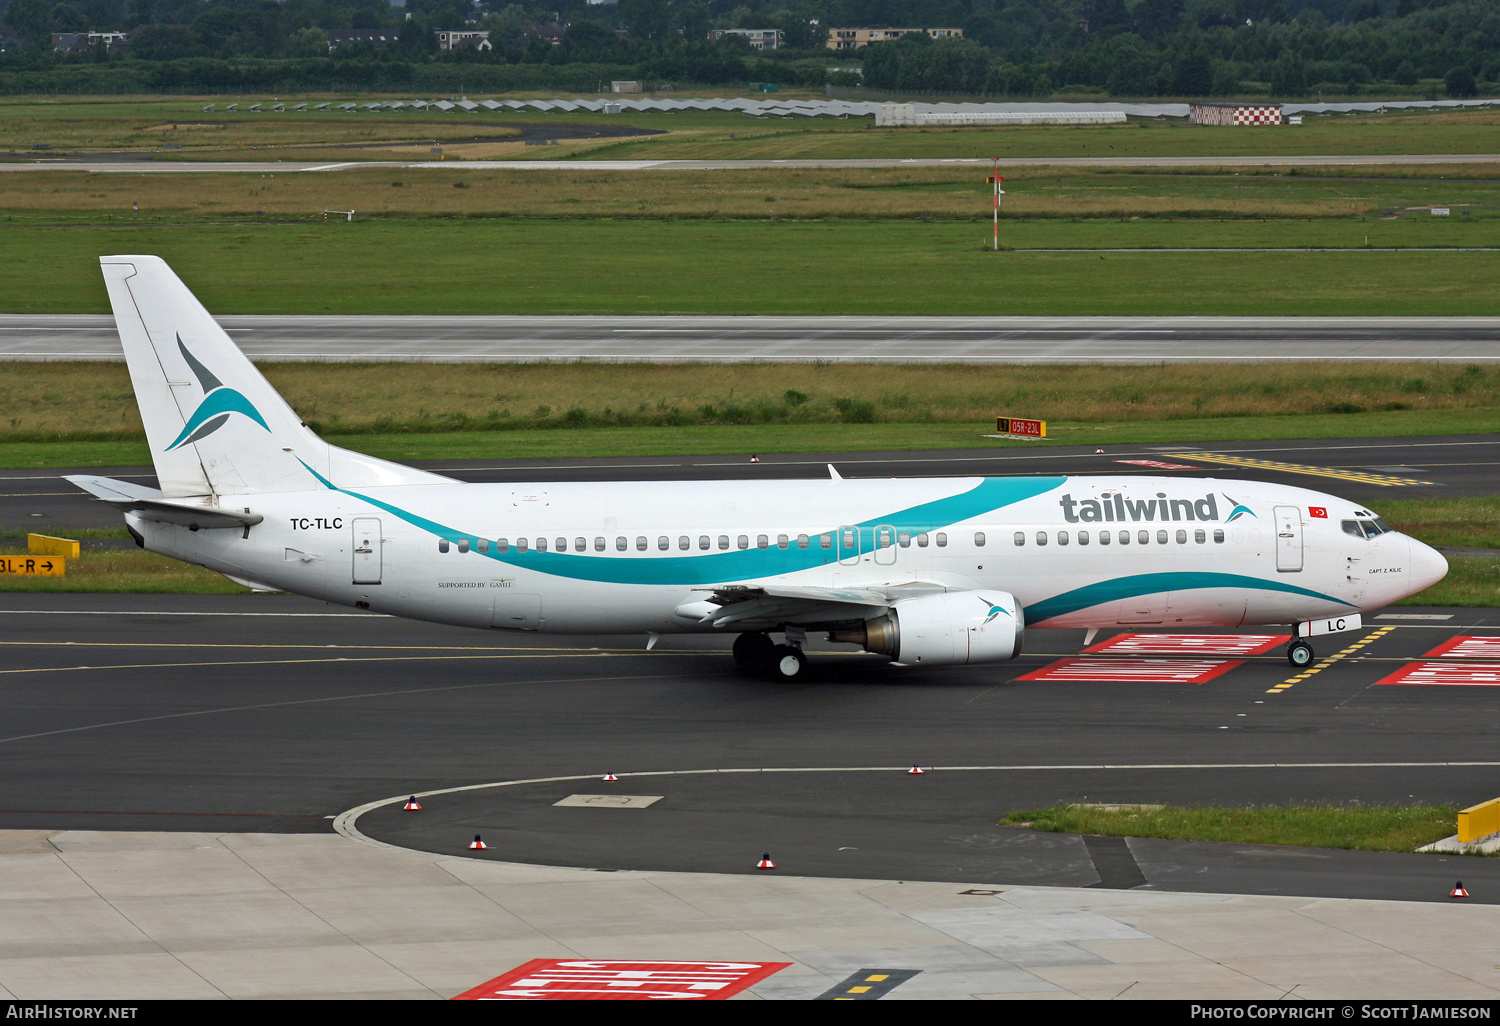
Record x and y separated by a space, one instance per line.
465 40
83 42
547 31
624 87
759 39
350 37
854 38
1234 113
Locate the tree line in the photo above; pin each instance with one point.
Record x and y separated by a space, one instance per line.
1138 48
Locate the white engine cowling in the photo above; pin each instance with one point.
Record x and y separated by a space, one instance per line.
953 628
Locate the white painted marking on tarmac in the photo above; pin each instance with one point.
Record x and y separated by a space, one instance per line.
345 823
152 612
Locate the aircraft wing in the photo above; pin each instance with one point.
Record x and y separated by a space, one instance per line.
149 504
751 607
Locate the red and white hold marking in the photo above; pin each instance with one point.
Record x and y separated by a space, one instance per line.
1159 465
574 979
1190 644
1449 674
1135 671
1468 647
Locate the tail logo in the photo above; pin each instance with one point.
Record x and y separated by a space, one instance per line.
219 402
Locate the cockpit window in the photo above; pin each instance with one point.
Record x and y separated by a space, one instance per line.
1366 528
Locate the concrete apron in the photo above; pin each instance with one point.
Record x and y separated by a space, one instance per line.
182 915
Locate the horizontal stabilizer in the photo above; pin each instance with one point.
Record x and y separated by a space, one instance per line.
149 504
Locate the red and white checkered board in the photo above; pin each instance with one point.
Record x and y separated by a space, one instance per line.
1257 115
1451 674
574 979
1468 647
1135 671
1190 644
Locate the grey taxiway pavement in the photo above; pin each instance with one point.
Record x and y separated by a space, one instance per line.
278 713
30 337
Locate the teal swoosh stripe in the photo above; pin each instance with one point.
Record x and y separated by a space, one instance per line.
1149 584
722 567
223 400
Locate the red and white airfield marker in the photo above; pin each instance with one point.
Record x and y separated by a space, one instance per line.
1467 646
574 979
1190 644
1453 674
1143 671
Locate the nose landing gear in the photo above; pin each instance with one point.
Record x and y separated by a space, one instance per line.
1299 653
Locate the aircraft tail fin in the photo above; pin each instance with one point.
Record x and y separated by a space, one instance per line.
216 427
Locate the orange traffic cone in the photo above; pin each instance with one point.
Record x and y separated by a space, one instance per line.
765 862
915 771
412 805
477 844
1458 891
609 778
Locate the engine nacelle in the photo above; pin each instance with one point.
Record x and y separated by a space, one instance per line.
953 628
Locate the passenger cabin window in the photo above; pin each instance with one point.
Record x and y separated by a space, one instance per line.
903 539
1020 538
1199 536
942 539
979 539
782 541
684 542
561 545
520 544
598 544
640 543
483 545
825 541
663 543
463 545
622 543
723 541
502 544
1161 537
1104 537
703 542
1144 537
1041 537
1062 537
442 544
1124 537
849 542
1083 537
1181 537
1218 536
581 545
922 540
762 542
743 541
541 544
803 541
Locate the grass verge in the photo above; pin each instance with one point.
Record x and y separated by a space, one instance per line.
125 570
1471 581
1306 826
732 439
616 266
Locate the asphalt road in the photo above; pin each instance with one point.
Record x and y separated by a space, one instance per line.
274 713
755 339
1369 470
158 166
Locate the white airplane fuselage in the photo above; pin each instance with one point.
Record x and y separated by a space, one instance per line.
635 557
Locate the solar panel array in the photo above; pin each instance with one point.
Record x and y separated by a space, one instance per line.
858 108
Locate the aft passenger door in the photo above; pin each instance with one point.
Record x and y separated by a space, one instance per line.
367 544
1288 539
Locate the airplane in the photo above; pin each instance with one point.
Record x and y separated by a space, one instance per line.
924 571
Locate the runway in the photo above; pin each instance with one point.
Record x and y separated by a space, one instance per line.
156 166
1022 340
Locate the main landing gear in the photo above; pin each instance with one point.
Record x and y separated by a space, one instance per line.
757 651
1299 653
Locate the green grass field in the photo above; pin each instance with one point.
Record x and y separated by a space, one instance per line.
748 267
1310 826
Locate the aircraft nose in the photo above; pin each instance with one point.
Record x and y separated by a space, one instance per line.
1427 566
